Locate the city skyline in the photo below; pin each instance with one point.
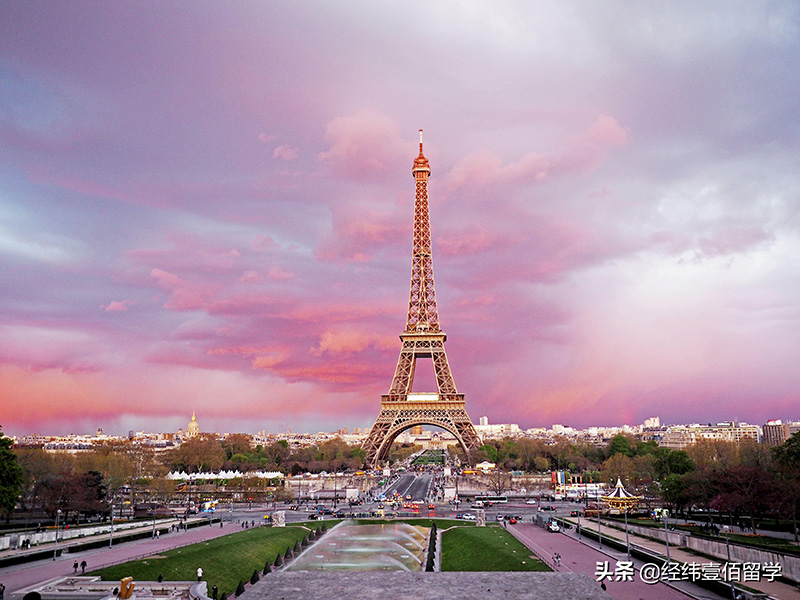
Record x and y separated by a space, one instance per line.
208 207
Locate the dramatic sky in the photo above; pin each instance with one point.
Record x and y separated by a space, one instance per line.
208 206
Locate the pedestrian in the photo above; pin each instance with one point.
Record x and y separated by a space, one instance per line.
75 568
160 578
199 573
2 591
214 592
83 567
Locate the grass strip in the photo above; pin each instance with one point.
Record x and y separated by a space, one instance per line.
486 549
224 560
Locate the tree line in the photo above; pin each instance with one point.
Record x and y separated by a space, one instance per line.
745 479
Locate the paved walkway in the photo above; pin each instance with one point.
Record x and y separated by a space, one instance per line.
17 577
580 558
776 589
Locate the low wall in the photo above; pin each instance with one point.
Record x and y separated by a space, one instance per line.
717 548
790 564
676 538
7 541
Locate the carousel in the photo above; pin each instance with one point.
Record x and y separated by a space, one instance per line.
621 499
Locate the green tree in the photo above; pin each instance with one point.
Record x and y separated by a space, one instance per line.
618 466
11 477
237 443
787 472
203 453
675 491
490 451
788 453
672 462
620 444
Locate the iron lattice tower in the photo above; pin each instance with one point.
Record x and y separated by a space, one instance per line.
423 338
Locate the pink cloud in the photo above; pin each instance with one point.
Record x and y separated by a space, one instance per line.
345 343
358 236
580 153
182 295
364 146
279 274
251 277
472 241
117 306
285 152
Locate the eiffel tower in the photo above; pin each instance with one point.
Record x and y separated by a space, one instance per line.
423 338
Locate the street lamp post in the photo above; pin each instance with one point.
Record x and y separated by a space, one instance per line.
111 536
599 532
627 536
726 529
55 547
579 528
666 538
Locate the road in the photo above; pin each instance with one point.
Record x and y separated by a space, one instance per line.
418 487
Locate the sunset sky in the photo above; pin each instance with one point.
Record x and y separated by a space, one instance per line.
208 206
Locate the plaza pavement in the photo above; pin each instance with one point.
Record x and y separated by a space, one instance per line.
776 589
21 576
581 558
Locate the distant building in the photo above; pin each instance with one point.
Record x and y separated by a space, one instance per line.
775 433
652 423
193 428
485 430
678 437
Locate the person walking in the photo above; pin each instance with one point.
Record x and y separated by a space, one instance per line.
2 591
83 567
75 568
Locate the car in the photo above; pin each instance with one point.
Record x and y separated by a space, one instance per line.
408 496
431 507
513 520
500 517
547 507
574 513
459 515
469 517
553 527
531 501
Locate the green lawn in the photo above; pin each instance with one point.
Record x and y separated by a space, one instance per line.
225 560
486 549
